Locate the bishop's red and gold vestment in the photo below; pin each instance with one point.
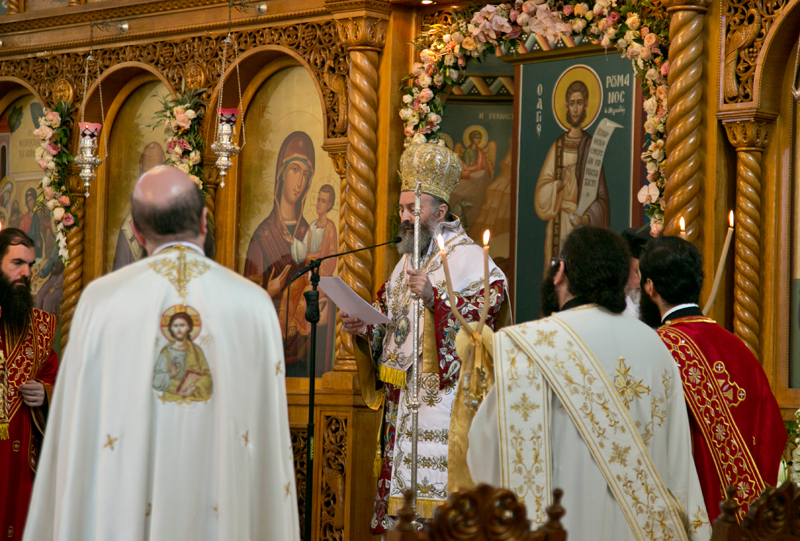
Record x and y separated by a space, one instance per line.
738 433
29 357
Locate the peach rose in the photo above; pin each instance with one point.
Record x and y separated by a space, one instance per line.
64 200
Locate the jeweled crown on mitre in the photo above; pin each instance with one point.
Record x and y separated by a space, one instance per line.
436 167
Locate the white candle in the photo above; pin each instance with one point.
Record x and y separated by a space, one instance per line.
485 310
683 228
449 282
720 266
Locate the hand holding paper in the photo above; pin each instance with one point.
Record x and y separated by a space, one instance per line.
349 301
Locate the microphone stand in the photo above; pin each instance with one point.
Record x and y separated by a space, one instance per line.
312 316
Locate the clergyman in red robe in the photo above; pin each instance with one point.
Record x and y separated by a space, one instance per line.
738 435
27 374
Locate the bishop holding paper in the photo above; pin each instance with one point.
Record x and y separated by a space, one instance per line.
384 353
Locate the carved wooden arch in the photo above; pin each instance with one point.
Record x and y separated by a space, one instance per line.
13 88
771 36
251 66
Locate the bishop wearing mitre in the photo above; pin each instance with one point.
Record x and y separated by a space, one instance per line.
384 353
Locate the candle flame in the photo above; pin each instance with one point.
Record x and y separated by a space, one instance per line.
730 218
683 225
486 236
440 241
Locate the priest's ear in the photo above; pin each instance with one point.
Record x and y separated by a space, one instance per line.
204 221
561 273
138 234
650 289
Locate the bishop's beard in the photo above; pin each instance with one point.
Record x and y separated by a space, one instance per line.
648 309
16 302
426 230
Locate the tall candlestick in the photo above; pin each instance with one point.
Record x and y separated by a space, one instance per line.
682 224
485 310
720 266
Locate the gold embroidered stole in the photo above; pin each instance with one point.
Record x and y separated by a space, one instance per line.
712 413
538 358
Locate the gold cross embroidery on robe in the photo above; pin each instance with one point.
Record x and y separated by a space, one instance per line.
180 272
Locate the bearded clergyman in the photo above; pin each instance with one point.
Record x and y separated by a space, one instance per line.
28 367
384 353
580 404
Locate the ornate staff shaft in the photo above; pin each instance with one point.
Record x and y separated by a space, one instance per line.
417 303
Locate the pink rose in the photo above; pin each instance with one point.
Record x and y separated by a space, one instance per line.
665 68
656 230
650 40
613 17
462 61
644 32
53 148
68 219
53 118
409 131
183 121
171 145
42 163
512 15
64 200
184 144
43 132
425 95
48 193
568 9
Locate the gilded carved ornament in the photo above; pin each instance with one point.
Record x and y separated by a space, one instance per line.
745 135
362 32
195 59
747 24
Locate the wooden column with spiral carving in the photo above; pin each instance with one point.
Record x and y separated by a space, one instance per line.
684 136
73 272
749 137
15 7
364 36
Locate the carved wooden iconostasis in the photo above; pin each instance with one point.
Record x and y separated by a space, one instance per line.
310 74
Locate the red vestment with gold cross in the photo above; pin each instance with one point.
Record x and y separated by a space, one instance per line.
30 357
738 433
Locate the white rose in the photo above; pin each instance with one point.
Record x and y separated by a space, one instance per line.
630 35
58 213
418 139
51 204
446 38
191 114
438 79
454 75
449 60
51 165
633 21
408 98
183 167
424 108
652 167
658 155
651 106
195 157
652 74
651 126
622 44
523 18
405 114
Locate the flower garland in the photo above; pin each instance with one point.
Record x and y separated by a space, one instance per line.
53 157
181 117
638 29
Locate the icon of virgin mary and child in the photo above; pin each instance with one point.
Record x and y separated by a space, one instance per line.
285 242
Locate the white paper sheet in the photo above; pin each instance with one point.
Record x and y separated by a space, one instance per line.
349 301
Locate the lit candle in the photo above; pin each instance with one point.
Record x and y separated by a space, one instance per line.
683 228
485 311
450 295
720 266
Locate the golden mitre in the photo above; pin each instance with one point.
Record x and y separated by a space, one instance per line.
436 167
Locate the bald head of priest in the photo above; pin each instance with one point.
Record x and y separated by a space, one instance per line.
168 208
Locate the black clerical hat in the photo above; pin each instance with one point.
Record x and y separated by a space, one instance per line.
636 239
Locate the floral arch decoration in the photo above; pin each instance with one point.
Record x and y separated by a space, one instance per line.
640 30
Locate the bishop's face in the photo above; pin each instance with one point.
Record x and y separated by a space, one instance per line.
179 330
576 109
295 180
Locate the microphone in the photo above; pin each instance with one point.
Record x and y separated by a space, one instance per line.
317 262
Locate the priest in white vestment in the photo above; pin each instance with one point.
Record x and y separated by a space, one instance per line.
588 400
169 419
